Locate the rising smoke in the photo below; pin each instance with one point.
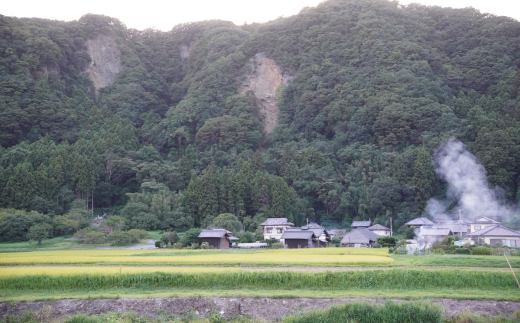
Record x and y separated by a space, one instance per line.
467 186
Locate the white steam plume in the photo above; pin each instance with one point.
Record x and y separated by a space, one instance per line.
467 185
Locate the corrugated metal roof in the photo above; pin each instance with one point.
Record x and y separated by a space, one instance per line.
361 224
359 236
277 221
496 230
378 227
298 234
420 221
213 233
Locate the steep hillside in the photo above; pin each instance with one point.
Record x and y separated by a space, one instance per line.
346 101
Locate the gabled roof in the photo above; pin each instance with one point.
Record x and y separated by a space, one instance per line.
317 229
435 232
420 221
277 221
495 231
356 224
213 233
298 234
484 220
453 227
232 238
361 235
378 227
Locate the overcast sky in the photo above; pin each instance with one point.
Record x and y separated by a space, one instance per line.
165 14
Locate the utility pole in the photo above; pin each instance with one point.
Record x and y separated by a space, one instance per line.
460 223
391 232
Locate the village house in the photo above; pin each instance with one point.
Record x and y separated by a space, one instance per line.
482 223
360 224
497 235
359 238
324 238
297 238
380 230
275 227
428 236
420 222
218 238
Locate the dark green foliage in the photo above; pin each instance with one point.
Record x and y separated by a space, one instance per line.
386 242
373 88
190 237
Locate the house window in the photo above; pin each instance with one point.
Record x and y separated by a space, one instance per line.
279 230
510 243
477 227
269 230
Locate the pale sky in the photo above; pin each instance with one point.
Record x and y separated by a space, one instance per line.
164 14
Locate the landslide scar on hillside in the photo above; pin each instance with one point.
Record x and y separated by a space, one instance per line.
105 61
263 81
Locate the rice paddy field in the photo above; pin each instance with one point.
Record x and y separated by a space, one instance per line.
323 256
43 275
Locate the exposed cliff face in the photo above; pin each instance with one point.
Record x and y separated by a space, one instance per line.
263 81
106 61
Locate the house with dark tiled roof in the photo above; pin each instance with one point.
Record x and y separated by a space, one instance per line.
297 238
324 237
420 222
359 238
497 235
275 227
360 224
380 230
218 238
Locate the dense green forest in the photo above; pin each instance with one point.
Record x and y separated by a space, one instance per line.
171 143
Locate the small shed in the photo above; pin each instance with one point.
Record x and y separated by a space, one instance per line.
294 239
380 230
218 238
359 238
361 224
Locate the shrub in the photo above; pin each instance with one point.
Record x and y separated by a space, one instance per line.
178 245
93 237
440 246
119 237
171 237
39 232
277 245
204 245
386 241
246 237
190 237
158 244
481 251
462 251
136 234
169 245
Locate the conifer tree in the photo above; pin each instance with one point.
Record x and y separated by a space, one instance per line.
423 177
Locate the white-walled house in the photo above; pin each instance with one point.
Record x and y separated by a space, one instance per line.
275 227
380 230
497 235
482 223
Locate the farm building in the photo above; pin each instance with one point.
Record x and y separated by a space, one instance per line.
218 238
275 227
323 235
380 230
497 235
297 238
359 238
361 224
420 222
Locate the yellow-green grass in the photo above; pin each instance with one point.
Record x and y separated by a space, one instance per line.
321 256
456 261
107 270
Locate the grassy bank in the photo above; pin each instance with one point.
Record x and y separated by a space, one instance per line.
456 261
375 283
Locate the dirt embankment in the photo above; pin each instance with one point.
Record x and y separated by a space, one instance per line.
263 81
260 308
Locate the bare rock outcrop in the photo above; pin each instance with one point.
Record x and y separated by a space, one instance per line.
105 61
263 81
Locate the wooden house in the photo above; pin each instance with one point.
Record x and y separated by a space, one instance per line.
420 222
361 224
297 238
218 238
380 230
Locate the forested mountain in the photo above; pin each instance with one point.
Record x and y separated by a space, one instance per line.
332 114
